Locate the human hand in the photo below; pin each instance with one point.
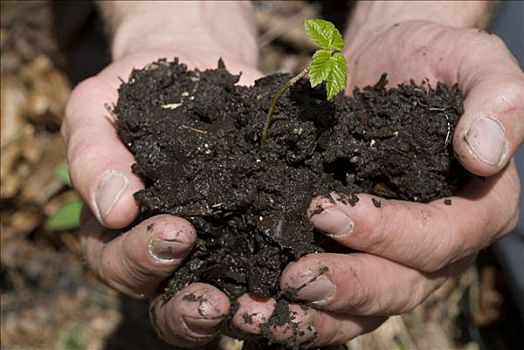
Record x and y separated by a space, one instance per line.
137 261
406 250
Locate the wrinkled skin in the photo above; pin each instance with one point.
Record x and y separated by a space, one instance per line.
406 249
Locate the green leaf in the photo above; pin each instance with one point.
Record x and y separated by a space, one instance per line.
324 34
320 67
337 77
330 68
62 173
67 217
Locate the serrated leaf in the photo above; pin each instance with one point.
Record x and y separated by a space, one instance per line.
67 217
331 68
62 173
324 34
337 77
319 67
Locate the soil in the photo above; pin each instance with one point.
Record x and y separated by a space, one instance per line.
195 137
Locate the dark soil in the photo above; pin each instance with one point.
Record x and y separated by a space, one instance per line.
195 136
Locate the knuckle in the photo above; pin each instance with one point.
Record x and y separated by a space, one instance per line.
79 148
370 234
493 40
138 264
479 38
82 151
512 92
419 293
443 254
79 152
512 223
358 295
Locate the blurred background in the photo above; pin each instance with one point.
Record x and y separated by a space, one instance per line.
49 299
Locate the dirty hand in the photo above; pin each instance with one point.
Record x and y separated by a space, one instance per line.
137 261
406 250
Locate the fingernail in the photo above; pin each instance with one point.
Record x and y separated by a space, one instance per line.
203 324
333 221
108 192
317 291
487 140
168 250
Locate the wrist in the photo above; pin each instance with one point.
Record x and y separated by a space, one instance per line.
224 30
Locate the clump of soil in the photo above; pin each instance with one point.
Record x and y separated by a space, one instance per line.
195 137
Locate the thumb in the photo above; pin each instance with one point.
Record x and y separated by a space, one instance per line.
99 163
492 126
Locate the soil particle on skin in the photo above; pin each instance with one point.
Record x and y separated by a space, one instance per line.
195 136
191 297
248 318
300 335
447 201
376 202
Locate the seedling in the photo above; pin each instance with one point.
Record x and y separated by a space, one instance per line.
327 64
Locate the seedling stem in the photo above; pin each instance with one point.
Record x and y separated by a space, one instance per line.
327 65
283 88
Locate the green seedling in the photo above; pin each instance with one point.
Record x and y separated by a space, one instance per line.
327 65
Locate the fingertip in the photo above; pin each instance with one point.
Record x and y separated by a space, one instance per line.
482 145
331 216
113 199
193 317
202 300
253 312
172 239
299 273
172 227
491 127
316 206
202 307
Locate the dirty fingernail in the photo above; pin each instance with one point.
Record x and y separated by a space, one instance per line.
317 291
487 140
168 250
203 324
333 221
108 192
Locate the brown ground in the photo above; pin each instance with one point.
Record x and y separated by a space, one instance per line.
49 300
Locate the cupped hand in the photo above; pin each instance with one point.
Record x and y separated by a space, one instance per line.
137 261
406 250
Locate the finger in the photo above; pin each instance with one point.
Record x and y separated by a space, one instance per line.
193 317
362 284
491 128
423 236
300 325
100 165
137 261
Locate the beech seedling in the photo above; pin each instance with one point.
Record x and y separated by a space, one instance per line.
327 65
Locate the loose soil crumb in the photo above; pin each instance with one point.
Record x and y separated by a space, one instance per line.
195 137
447 201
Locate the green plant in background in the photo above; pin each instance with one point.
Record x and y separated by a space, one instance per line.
67 216
72 339
327 65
